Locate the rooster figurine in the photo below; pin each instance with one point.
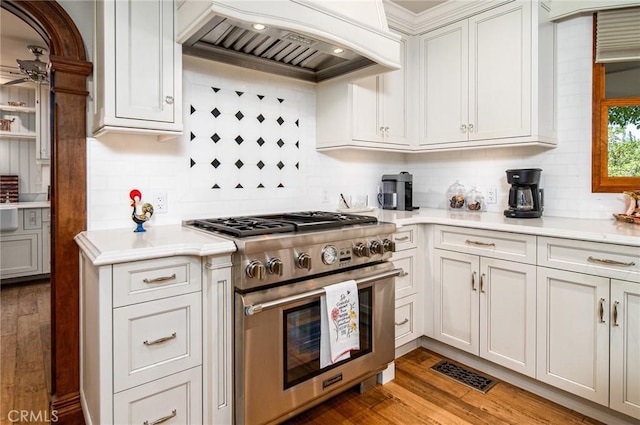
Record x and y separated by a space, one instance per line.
142 212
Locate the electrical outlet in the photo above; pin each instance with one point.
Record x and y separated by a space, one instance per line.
492 195
325 196
160 203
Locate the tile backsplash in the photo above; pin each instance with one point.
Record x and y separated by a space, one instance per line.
202 176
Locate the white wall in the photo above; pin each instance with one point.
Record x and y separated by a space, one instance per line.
566 175
118 165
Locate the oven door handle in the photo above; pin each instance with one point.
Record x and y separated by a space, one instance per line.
250 310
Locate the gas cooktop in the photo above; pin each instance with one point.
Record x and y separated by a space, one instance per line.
302 221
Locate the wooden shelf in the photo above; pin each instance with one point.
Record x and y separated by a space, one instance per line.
23 109
16 135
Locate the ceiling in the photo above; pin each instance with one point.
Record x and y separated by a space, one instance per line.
15 36
417 6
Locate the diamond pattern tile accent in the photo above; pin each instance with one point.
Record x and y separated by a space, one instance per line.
280 165
215 138
297 123
260 141
260 96
215 112
215 89
192 162
280 120
298 144
192 109
280 185
239 164
239 140
215 186
280 100
297 165
260 186
192 136
260 165
239 93
239 115
239 186
280 143
260 118
215 163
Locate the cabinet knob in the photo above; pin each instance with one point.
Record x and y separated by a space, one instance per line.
470 128
169 100
463 128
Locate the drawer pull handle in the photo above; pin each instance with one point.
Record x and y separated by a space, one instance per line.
610 262
402 238
160 340
159 279
163 419
482 283
470 242
403 274
473 281
601 310
403 322
615 313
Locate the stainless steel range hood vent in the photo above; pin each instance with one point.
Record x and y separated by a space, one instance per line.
285 47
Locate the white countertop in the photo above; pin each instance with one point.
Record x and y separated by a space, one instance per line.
609 231
23 205
113 246
121 245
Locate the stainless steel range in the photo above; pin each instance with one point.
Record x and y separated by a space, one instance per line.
279 272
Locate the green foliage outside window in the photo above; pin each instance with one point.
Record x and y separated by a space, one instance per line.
624 141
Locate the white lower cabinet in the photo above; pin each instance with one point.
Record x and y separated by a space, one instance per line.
486 306
409 303
26 251
625 348
174 399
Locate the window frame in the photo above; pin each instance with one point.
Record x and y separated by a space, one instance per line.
600 180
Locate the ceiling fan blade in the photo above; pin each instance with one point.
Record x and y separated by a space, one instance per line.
18 81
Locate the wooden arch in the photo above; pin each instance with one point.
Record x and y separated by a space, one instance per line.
69 71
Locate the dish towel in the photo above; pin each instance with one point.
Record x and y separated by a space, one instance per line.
339 322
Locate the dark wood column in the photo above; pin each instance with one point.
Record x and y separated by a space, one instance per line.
69 70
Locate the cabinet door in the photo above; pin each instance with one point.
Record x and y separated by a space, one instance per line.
508 314
500 80
625 348
455 299
144 41
395 93
444 65
573 333
367 121
19 256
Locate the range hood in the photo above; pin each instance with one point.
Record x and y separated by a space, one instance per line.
312 40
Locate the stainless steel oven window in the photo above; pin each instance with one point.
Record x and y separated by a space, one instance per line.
302 339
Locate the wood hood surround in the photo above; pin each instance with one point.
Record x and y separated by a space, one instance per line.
69 70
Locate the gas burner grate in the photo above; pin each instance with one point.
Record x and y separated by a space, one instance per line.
241 227
465 376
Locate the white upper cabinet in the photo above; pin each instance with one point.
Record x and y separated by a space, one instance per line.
371 112
488 80
138 69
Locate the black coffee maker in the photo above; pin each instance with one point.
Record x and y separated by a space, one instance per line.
525 199
397 192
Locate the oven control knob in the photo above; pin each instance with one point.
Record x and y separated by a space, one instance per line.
376 247
361 250
388 245
303 261
274 266
255 269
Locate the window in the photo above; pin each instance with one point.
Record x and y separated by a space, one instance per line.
616 101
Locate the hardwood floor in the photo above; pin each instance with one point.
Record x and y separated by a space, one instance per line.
419 395
25 344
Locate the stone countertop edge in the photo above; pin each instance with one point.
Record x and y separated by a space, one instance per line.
592 230
25 205
112 246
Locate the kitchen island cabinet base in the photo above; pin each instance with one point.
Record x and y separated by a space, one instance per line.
581 405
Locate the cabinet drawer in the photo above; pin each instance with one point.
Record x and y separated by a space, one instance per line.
46 214
406 237
406 320
176 397
157 338
488 243
406 282
601 259
153 279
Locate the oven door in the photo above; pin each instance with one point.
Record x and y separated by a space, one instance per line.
277 348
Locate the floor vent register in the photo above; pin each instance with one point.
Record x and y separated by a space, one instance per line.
465 376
